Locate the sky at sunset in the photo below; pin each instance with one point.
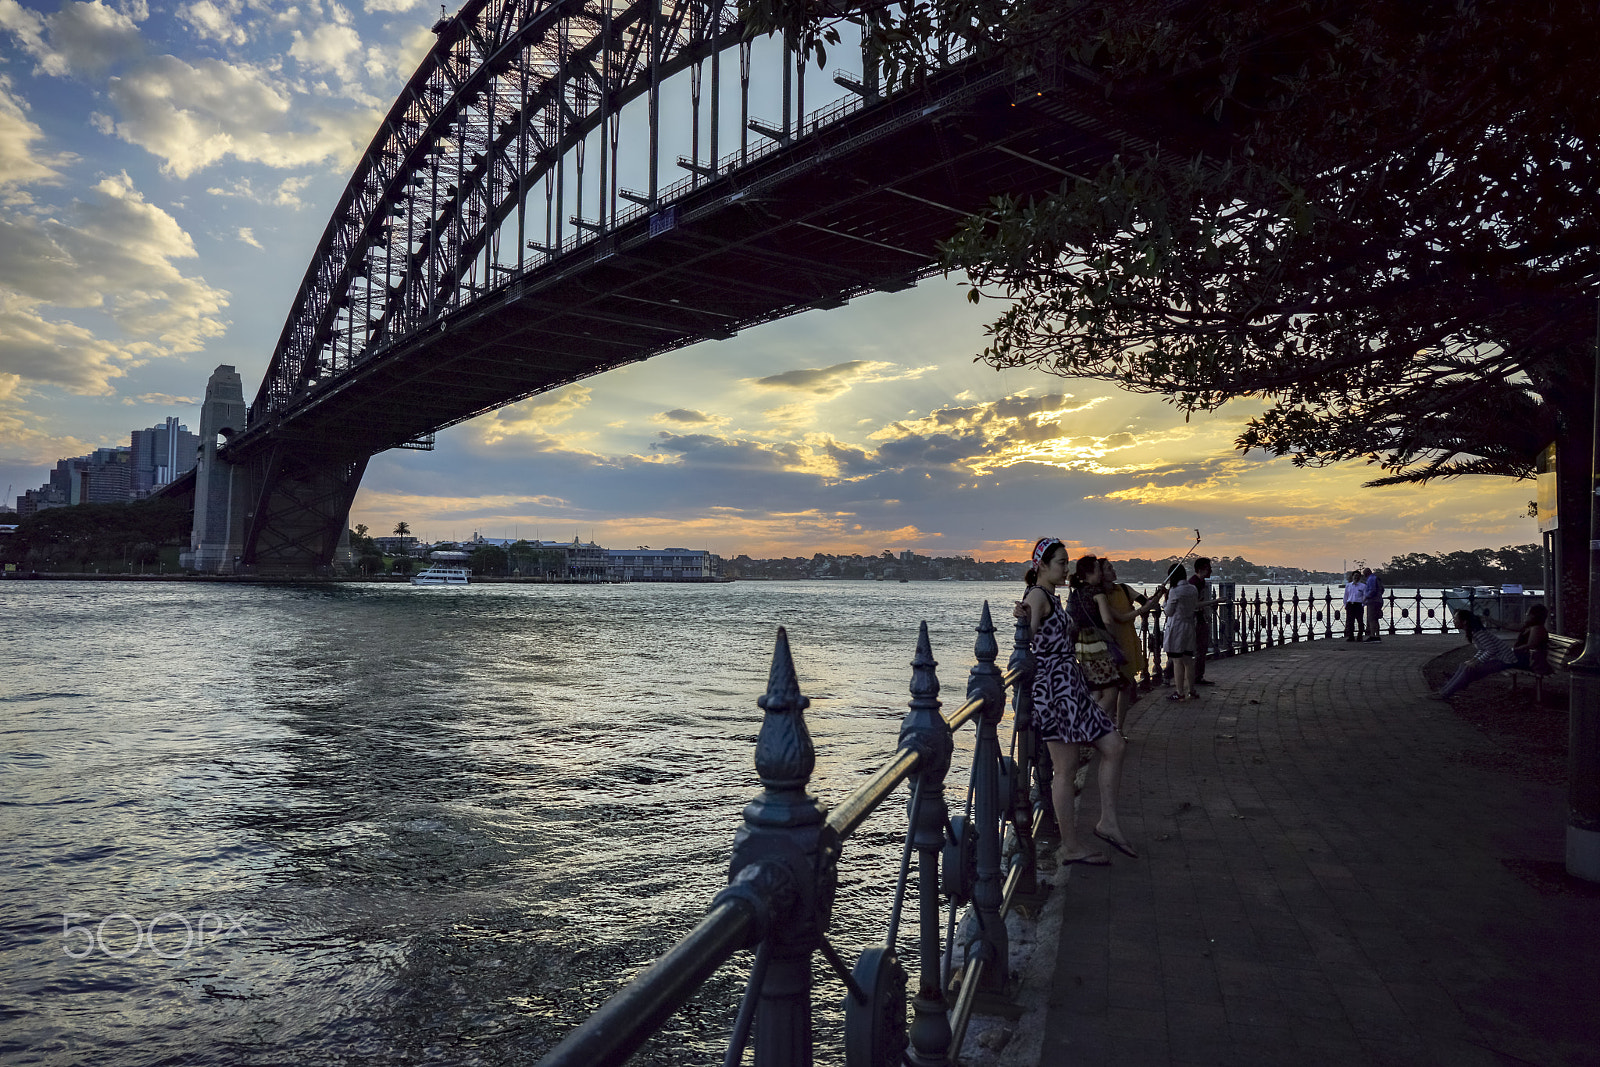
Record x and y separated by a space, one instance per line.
167 169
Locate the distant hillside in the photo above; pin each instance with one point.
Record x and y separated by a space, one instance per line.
1482 566
913 567
1521 564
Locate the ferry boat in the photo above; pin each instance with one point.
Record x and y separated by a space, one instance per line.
441 574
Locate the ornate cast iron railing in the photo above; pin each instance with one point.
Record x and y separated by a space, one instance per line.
784 872
1248 623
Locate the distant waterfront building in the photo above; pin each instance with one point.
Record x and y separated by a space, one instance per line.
398 546
574 560
44 498
664 565
101 477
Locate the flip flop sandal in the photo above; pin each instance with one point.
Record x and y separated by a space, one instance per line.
1117 843
1088 859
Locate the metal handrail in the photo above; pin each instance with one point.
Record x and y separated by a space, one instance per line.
1248 624
854 810
780 888
623 1023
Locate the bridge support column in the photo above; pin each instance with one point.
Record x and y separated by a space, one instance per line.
299 523
222 491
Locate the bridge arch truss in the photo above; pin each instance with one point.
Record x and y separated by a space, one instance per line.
504 112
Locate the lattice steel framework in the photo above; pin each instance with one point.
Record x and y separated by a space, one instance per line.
500 112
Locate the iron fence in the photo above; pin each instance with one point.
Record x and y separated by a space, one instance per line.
1250 622
783 872
783 875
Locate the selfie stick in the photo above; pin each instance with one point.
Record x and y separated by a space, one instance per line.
1186 555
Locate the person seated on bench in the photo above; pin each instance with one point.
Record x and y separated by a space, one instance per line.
1493 655
1532 647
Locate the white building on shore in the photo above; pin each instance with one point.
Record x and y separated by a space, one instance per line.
664 565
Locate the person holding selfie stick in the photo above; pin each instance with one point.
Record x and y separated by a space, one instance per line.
1179 641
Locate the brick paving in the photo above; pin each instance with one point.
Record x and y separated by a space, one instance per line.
1328 875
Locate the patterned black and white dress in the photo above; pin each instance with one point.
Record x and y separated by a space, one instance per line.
1063 710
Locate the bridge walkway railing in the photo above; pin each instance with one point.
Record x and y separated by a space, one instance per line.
784 872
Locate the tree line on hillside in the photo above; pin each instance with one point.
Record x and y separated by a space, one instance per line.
107 536
1513 564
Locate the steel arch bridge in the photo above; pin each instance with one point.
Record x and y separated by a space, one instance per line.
486 249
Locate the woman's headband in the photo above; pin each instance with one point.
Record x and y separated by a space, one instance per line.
1041 547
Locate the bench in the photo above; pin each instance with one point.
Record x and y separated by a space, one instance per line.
1559 652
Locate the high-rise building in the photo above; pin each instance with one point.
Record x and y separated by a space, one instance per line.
160 455
155 456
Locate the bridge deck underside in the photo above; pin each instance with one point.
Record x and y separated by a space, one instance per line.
856 207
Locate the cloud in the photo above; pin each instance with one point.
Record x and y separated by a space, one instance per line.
390 7
215 21
163 400
831 381
80 38
687 417
399 59
248 236
28 28
23 441
37 350
287 194
731 453
192 116
532 419
997 434
330 47
19 163
112 253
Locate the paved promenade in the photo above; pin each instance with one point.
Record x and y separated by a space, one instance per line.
1332 872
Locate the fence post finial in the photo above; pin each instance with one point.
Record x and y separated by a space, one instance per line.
782 834
989 807
785 756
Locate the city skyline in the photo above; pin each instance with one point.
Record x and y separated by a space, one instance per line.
165 173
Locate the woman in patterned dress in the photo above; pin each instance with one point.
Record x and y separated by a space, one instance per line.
1064 713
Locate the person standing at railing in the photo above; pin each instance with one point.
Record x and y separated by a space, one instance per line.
1095 649
1372 595
1118 606
1355 598
1493 655
1201 580
1179 644
1065 715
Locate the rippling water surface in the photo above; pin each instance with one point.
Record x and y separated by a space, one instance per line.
382 824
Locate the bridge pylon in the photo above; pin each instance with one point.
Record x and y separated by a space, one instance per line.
280 511
222 492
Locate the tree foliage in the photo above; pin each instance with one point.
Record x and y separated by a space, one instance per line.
488 559
1378 218
1518 564
73 537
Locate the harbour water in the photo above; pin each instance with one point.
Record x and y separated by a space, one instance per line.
352 824
384 824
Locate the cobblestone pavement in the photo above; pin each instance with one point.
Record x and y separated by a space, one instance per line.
1328 876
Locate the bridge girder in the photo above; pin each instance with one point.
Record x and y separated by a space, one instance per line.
509 92
855 201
